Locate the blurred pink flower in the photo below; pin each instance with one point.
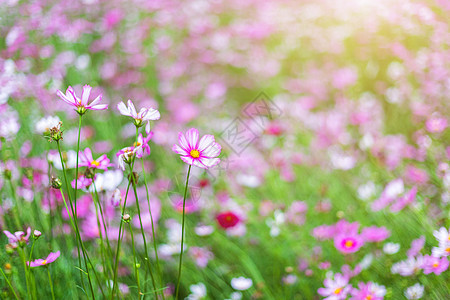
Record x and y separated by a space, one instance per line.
434 265
18 237
202 154
336 288
44 262
436 124
368 291
82 104
348 243
375 234
416 246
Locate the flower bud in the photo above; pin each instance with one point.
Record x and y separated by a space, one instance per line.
8 268
10 249
56 183
37 234
138 265
89 173
126 218
7 174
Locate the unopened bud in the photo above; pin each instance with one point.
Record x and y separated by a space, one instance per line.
37 234
8 268
7 174
89 173
138 265
56 183
126 218
9 249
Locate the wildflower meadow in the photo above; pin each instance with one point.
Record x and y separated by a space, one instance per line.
225 149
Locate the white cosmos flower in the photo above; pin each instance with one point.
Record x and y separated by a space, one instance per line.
414 292
241 283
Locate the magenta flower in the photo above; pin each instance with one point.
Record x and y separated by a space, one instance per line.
18 237
86 160
144 115
82 104
44 262
336 288
434 265
348 243
436 124
368 291
82 182
202 153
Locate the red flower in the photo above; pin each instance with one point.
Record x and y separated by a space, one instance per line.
227 219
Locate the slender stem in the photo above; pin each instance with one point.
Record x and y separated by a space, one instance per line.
23 257
9 284
136 271
116 264
51 283
72 209
78 236
16 202
182 233
155 246
76 168
143 237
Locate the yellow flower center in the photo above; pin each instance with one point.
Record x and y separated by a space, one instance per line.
447 250
337 291
95 163
195 153
348 244
435 265
368 297
136 144
44 262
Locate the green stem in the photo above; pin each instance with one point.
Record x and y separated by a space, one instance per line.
78 236
155 245
51 283
9 284
143 237
116 264
16 202
23 257
136 271
182 233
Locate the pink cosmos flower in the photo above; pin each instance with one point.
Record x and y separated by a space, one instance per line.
83 182
202 153
143 143
436 124
127 155
18 237
348 243
336 288
44 262
86 160
144 115
201 256
368 291
416 246
434 265
375 234
82 104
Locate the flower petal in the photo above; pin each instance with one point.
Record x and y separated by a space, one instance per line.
132 109
123 109
177 149
85 94
192 137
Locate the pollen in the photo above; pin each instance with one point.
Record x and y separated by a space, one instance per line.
337 291
95 163
435 265
349 244
44 262
195 153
